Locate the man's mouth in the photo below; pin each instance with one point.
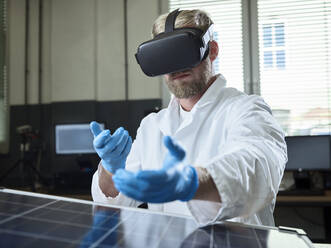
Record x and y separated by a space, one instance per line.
180 75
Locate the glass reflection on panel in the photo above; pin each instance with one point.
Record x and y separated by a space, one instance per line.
105 222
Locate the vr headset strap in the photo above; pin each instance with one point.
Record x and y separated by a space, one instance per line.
170 21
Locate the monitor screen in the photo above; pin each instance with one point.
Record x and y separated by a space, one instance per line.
308 152
74 139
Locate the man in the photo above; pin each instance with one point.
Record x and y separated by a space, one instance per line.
214 153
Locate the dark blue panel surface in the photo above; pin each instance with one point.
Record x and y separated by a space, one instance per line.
31 221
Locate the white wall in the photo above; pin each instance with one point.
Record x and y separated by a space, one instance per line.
72 50
33 62
82 50
16 34
141 14
110 50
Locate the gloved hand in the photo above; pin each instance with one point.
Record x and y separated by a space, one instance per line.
112 149
175 181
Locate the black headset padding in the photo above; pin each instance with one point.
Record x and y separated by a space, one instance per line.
170 21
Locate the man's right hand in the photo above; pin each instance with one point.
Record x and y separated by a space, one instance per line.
112 149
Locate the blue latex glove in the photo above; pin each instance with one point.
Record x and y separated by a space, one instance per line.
112 149
175 181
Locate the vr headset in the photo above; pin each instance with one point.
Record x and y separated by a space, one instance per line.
173 50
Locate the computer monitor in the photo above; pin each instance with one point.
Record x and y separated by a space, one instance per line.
74 139
308 153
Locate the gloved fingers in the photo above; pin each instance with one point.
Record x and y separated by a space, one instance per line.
169 162
95 128
152 176
179 187
127 148
130 192
112 142
107 164
102 139
174 149
123 174
159 194
137 192
129 179
121 143
145 185
145 180
118 132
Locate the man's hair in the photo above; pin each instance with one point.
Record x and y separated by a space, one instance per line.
186 18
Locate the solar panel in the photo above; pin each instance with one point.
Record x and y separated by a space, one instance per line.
36 220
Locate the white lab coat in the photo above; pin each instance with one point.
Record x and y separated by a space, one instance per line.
234 136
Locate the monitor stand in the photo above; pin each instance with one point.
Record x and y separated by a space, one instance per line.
303 186
302 180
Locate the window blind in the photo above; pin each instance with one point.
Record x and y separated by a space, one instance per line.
295 63
227 19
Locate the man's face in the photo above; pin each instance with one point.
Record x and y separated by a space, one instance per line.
189 83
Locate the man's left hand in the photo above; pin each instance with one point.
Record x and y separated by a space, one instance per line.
174 181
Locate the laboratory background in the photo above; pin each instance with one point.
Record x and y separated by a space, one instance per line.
65 63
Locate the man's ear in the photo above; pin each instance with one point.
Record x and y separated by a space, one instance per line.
213 50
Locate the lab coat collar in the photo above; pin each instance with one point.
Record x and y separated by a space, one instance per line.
169 119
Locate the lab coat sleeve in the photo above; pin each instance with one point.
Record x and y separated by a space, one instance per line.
99 196
132 164
248 170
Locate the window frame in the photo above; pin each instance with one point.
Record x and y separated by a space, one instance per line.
4 105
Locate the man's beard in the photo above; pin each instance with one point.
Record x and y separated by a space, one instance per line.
192 87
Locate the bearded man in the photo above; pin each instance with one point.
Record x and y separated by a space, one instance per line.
214 153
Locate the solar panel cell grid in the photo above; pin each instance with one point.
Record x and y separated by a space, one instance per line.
31 221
